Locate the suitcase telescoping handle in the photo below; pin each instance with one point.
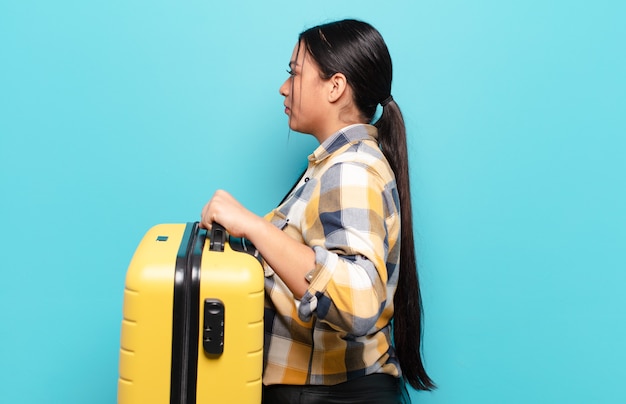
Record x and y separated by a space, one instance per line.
218 237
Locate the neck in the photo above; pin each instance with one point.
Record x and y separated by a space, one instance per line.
343 118
331 130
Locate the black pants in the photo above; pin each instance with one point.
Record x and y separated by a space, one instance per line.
372 389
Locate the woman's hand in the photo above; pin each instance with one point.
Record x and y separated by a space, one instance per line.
227 211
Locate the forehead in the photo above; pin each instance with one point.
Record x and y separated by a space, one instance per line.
298 55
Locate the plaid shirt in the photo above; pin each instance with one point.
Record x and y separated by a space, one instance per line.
346 208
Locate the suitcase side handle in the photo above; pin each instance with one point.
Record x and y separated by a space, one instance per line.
218 237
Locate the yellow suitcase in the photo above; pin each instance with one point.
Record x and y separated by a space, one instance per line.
192 328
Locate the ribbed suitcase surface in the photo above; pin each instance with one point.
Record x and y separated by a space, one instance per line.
192 328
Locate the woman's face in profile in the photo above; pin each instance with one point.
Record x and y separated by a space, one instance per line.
303 93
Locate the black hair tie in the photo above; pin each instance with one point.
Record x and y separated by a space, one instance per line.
386 101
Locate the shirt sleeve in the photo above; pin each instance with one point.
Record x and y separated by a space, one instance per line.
344 223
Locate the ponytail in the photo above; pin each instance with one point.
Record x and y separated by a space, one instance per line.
407 301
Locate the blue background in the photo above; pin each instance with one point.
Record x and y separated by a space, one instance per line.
118 115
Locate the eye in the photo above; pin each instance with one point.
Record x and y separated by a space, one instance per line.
291 72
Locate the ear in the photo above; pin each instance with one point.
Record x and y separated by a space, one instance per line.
338 86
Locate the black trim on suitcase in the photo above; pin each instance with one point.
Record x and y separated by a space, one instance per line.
186 309
185 315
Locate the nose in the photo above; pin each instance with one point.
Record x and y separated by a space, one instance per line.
284 89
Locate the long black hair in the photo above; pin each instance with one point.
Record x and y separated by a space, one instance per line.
357 50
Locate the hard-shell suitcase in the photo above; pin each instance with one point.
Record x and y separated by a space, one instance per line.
192 328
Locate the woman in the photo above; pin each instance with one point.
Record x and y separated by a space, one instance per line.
339 257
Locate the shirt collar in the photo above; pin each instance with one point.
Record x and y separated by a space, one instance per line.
348 135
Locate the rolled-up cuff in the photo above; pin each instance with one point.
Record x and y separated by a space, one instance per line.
319 278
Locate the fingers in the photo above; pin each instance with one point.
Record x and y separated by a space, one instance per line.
211 211
207 217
